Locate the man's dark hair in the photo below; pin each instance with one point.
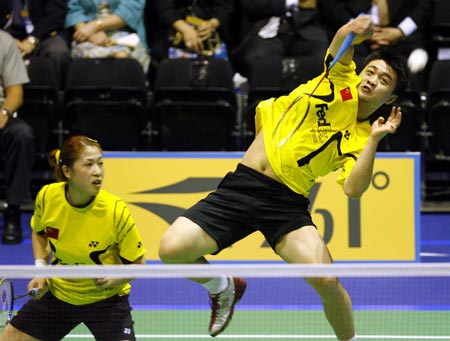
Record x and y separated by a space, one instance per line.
395 61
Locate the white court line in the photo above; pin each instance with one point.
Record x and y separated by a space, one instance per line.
433 254
279 337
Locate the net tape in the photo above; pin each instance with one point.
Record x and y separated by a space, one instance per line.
245 270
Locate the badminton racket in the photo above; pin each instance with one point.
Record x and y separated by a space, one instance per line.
344 46
7 299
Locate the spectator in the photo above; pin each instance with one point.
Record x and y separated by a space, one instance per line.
170 19
38 29
69 216
108 28
16 138
401 25
278 28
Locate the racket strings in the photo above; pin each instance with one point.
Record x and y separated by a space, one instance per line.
297 127
285 113
6 301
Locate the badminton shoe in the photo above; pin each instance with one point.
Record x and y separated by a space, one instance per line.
222 305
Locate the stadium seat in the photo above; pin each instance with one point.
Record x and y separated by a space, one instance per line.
440 24
410 135
437 159
439 106
107 99
40 107
194 105
41 110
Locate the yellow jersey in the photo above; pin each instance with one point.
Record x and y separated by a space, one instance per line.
101 233
308 136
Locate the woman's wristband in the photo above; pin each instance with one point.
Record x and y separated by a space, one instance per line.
40 262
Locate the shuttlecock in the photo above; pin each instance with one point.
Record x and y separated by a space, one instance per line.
417 60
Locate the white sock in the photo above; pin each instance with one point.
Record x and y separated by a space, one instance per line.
353 338
216 285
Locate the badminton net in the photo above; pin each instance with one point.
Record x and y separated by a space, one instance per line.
401 301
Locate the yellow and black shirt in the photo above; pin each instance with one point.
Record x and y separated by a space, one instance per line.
101 233
310 136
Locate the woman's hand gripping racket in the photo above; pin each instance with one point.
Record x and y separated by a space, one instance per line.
7 300
344 46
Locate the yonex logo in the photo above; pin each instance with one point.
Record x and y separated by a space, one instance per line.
127 331
347 135
93 244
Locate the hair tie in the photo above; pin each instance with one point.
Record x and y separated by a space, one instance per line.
57 156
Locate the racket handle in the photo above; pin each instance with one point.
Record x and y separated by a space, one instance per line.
345 45
33 292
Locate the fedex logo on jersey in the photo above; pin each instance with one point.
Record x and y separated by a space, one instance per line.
323 126
321 115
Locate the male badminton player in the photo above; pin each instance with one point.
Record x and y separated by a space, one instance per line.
320 127
81 224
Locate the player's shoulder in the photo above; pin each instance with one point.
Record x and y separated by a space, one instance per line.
110 198
52 188
50 193
344 71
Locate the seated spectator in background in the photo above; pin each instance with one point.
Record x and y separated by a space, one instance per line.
108 29
190 25
278 28
37 27
16 138
400 25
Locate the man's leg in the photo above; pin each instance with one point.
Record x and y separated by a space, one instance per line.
58 51
305 245
17 146
186 243
337 305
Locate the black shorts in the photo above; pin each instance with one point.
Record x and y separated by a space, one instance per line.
51 319
247 201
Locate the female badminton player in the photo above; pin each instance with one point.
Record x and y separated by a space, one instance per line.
75 222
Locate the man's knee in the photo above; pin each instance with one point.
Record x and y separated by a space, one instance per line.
325 286
19 134
168 250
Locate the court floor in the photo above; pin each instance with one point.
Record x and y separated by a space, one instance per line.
286 325
397 308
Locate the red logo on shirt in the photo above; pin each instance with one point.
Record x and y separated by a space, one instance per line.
52 232
346 94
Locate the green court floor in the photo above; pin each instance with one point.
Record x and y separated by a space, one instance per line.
286 325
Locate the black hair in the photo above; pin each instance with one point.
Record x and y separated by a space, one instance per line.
70 151
397 62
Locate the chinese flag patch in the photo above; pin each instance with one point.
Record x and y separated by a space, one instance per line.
346 94
52 232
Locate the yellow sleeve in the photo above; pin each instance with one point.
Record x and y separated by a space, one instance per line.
130 242
35 222
346 169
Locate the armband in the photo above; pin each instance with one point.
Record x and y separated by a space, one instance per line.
39 263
